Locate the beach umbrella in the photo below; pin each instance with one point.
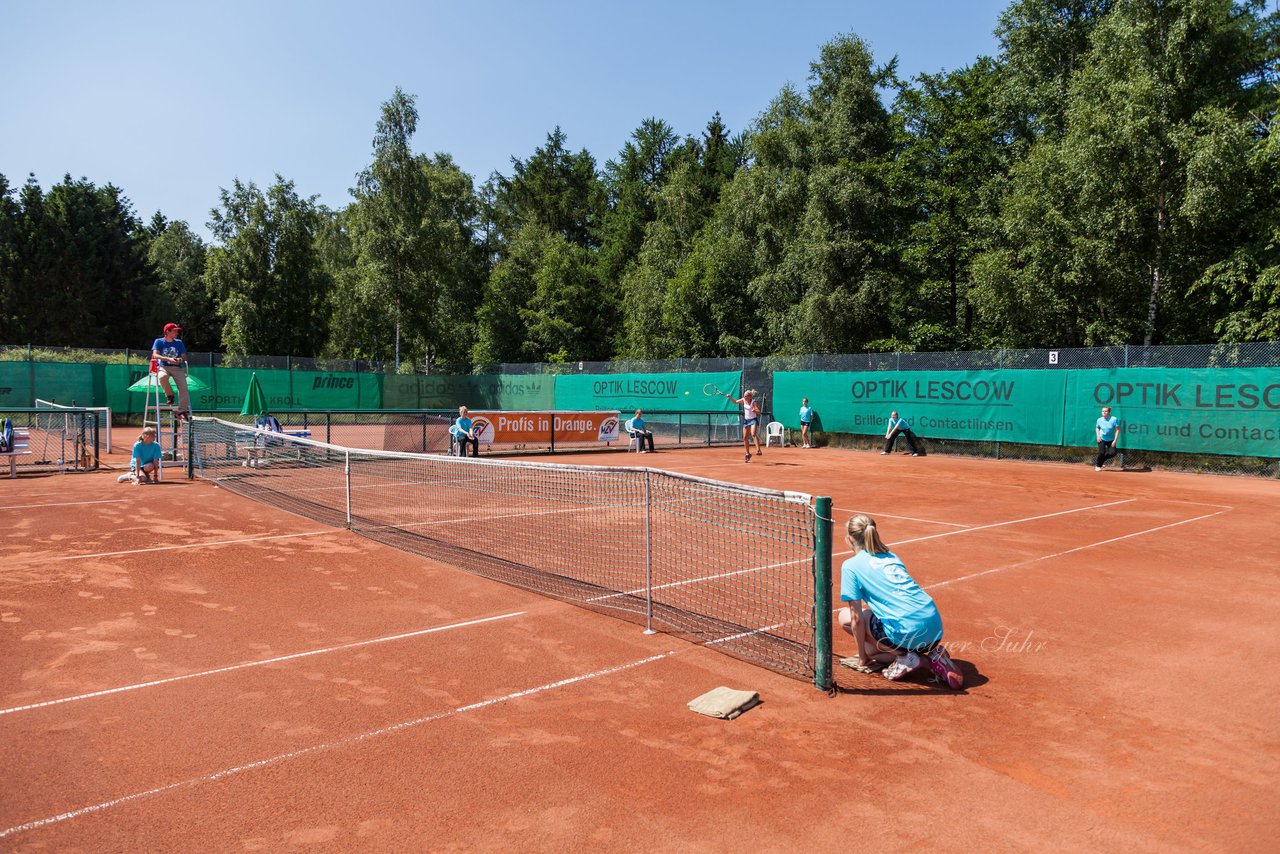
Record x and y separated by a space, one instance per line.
194 383
255 401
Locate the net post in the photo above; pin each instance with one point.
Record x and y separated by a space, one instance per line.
822 593
346 470
191 449
648 562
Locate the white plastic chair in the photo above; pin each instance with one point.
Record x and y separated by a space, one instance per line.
632 439
774 430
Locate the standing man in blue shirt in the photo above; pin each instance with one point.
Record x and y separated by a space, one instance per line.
899 427
1107 431
170 357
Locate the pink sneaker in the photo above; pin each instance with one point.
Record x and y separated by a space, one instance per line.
945 669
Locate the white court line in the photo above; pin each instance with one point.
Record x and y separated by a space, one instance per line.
63 504
193 545
247 664
1002 524
342 742
1076 549
891 516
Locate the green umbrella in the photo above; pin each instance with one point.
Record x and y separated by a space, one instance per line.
255 401
194 383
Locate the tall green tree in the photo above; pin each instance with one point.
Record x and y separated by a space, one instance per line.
1098 223
74 269
545 219
266 273
412 227
178 256
953 156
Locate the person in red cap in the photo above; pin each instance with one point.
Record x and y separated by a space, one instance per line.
170 357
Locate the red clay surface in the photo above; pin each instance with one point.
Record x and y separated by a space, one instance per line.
1117 630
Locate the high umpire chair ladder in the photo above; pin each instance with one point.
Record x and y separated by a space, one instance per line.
160 415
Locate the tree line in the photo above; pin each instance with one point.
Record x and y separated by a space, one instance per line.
1111 177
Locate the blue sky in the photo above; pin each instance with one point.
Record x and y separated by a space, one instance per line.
170 101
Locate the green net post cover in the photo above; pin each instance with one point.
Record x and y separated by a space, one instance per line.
822 593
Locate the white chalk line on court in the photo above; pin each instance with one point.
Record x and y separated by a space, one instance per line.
1002 524
247 664
1074 550
904 518
194 545
332 745
62 504
699 580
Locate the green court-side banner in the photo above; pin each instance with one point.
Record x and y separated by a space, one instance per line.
1233 411
509 392
628 392
1002 406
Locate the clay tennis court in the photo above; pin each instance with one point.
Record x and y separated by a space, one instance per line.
186 669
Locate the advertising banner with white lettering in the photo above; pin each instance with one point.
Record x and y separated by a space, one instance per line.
996 406
653 392
544 427
1233 411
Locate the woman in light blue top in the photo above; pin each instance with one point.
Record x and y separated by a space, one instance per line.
144 463
806 416
900 623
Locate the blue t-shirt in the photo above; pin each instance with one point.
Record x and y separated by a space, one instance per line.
637 424
895 423
908 614
1107 428
806 415
143 453
174 349
462 426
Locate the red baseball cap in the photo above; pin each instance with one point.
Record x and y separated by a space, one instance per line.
172 327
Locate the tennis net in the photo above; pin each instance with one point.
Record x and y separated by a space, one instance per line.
727 565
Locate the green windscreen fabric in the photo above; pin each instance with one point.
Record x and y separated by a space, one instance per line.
508 392
1232 411
628 392
1002 406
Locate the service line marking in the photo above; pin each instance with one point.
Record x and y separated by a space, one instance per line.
247 664
905 518
1074 550
63 504
194 545
340 743
1002 524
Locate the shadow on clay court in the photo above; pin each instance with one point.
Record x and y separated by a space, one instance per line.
921 682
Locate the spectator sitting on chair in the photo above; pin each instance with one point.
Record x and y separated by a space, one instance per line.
636 428
145 460
899 427
267 421
464 434
170 356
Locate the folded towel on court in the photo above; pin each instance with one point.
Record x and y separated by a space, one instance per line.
724 703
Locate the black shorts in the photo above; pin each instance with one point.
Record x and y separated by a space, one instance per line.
877 631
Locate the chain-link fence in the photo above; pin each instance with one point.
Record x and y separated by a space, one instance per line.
758 373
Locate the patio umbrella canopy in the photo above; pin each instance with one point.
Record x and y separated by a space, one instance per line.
255 401
194 383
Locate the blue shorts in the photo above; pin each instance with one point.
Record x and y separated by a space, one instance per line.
877 631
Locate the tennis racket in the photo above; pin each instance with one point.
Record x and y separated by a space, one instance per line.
711 390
